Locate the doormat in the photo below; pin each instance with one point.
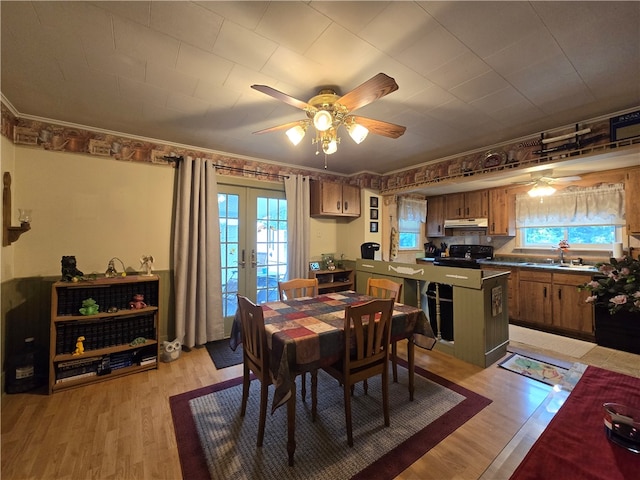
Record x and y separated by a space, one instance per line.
536 369
222 355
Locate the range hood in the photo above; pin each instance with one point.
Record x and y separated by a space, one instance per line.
467 223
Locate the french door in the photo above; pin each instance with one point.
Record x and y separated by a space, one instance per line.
253 245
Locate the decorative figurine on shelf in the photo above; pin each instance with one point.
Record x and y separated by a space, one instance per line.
79 347
69 269
138 302
111 269
146 264
89 307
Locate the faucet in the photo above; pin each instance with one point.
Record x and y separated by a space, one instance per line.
561 256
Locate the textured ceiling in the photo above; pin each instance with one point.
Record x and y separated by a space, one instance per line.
470 74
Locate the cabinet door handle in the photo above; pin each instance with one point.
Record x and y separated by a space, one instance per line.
346 206
544 292
559 294
338 205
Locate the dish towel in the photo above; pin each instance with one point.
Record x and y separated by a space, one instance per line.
393 253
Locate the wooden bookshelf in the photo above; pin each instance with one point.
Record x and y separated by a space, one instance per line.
118 341
334 280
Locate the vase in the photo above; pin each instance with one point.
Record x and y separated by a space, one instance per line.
620 330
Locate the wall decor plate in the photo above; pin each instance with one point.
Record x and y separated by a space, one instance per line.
494 159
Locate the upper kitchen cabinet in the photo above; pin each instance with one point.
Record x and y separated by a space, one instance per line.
435 217
467 205
334 200
631 195
502 212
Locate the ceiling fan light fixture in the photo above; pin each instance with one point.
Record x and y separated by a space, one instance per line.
358 132
322 120
541 189
296 134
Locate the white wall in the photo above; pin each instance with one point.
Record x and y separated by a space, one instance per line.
92 208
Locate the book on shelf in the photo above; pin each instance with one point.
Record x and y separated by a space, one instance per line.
148 361
76 377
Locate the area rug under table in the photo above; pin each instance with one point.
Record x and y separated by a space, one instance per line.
215 442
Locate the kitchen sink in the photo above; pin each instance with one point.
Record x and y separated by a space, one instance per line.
578 267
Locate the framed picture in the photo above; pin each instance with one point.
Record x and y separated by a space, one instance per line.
373 213
373 202
314 265
373 227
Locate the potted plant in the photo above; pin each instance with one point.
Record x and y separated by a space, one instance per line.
615 294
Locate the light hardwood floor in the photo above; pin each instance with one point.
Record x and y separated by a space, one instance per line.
122 429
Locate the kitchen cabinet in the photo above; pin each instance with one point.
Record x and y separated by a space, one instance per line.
552 300
502 212
467 205
435 217
631 195
334 199
570 309
534 297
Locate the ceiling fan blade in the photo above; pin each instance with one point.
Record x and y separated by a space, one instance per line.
573 178
283 97
379 127
371 90
285 126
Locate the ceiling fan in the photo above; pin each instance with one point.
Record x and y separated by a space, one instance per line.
543 182
327 111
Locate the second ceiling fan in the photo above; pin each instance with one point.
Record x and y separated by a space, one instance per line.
327 111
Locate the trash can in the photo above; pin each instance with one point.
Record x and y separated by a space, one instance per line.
446 309
368 250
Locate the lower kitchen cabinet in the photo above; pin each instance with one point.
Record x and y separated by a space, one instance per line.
552 301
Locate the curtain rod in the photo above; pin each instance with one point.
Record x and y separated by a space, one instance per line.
233 169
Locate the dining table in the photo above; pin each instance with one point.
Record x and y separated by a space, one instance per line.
307 333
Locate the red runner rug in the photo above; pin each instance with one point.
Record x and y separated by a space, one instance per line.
574 444
194 467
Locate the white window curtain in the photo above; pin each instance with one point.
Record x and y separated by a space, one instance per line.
296 190
196 255
600 205
412 209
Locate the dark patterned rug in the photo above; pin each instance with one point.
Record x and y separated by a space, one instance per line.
214 442
222 355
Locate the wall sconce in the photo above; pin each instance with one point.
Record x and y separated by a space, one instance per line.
11 234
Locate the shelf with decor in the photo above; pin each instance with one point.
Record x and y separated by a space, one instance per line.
97 335
334 280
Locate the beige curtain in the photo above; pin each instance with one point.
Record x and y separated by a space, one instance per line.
196 255
296 190
600 205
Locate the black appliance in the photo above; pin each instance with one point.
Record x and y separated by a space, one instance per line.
465 256
368 250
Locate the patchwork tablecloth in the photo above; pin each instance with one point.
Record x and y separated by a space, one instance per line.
307 333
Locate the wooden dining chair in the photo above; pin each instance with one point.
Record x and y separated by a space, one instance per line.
255 357
384 288
296 288
366 353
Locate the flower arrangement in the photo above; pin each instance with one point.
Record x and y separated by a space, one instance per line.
619 288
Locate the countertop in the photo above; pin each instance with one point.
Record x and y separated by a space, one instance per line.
565 267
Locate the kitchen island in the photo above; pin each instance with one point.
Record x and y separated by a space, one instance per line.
480 308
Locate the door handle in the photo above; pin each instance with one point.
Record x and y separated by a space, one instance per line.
346 206
544 292
254 261
242 263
